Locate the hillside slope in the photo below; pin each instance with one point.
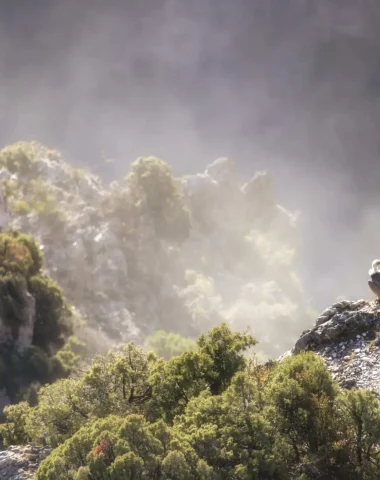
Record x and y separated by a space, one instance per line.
155 252
210 413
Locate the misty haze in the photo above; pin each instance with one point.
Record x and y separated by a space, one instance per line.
189 248
287 87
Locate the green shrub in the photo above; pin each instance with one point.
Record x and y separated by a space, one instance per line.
168 345
67 358
160 195
19 158
20 207
20 257
20 278
21 368
206 414
19 253
53 316
128 448
9 188
14 431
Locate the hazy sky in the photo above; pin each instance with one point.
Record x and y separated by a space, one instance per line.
288 85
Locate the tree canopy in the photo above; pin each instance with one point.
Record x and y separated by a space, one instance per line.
210 413
31 302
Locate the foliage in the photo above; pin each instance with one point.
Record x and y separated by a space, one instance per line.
20 158
22 372
21 207
225 350
20 254
37 197
52 323
359 412
302 396
27 192
116 384
202 410
14 432
127 448
19 259
20 275
219 356
160 196
201 300
150 213
67 358
42 200
230 433
167 345
209 413
25 294
129 381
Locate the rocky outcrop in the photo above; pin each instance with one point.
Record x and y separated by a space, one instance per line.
21 462
241 244
347 336
339 322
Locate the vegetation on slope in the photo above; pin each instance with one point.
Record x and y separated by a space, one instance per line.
210 413
165 253
169 344
178 262
30 302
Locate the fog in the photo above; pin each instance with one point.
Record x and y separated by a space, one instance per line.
291 87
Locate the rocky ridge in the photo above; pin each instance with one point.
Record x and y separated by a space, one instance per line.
21 462
347 336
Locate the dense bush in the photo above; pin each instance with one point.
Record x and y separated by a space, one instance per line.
160 196
210 413
20 158
168 345
129 448
26 294
52 323
27 191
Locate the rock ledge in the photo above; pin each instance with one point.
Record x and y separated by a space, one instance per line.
347 336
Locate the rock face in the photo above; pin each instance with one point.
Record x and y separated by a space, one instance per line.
347 336
21 462
241 249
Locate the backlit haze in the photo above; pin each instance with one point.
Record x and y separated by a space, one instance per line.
285 85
